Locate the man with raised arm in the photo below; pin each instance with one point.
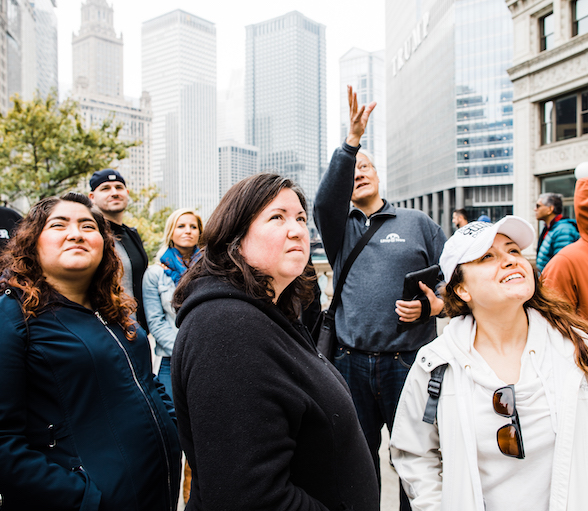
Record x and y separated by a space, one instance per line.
374 354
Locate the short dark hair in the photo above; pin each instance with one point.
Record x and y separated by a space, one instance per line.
553 199
462 212
222 237
21 268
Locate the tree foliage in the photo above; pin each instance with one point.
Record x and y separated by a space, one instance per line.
46 150
149 224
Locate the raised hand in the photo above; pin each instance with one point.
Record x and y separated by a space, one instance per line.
358 117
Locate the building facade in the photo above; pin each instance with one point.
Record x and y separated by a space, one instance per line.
550 77
366 72
97 52
28 49
46 42
97 67
449 108
285 97
179 72
21 48
236 161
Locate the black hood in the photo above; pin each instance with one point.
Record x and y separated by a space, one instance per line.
204 289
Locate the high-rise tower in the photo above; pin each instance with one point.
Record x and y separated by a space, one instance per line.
179 72
97 55
449 107
98 52
285 97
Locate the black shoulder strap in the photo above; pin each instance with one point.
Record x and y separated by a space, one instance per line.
434 390
375 224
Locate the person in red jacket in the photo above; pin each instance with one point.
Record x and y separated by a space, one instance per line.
567 272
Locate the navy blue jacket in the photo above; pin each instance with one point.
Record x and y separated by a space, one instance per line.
82 422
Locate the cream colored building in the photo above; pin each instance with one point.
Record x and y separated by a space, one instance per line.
97 68
550 77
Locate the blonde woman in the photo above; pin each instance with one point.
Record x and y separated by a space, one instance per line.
178 252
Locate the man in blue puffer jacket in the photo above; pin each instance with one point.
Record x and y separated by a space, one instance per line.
558 232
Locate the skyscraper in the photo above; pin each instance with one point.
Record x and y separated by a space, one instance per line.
21 61
365 71
46 39
285 97
97 51
235 162
97 68
449 107
179 72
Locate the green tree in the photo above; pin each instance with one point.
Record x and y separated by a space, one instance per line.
149 224
45 149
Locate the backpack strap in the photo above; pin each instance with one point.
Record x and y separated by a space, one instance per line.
434 390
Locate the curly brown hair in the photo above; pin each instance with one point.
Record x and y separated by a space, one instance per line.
559 313
222 238
22 270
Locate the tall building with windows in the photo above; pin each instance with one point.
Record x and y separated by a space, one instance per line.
449 107
236 161
46 41
179 72
550 77
97 68
285 97
366 72
21 58
97 51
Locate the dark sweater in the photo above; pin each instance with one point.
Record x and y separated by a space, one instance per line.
131 241
265 421
407 241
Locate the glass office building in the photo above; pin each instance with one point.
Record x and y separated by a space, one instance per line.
285 98
449 107
179 72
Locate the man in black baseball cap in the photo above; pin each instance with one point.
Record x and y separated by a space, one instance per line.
110 195
104 175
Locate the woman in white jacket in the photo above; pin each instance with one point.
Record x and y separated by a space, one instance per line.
512 414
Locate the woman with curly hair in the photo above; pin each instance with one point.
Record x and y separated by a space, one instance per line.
83 424
494 412
265 420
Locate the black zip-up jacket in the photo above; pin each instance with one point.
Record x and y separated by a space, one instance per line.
83 425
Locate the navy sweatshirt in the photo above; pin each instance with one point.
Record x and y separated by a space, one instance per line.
407 241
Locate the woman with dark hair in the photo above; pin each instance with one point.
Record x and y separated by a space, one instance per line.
83 425
265 420
509 430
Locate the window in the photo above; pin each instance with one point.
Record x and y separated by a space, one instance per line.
579 17
564 117
546 26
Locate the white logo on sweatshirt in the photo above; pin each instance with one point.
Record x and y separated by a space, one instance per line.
392 238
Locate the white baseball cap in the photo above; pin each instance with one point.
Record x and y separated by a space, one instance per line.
473 240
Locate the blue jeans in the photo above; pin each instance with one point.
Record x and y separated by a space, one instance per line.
375 381
164 375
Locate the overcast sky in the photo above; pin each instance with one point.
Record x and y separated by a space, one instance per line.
349 24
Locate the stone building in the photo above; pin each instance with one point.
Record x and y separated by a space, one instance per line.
550 77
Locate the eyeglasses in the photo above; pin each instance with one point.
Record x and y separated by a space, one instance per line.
539 205
509 436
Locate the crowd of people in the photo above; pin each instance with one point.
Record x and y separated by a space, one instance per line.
489 415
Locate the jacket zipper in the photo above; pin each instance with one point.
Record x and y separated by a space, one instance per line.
153 414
